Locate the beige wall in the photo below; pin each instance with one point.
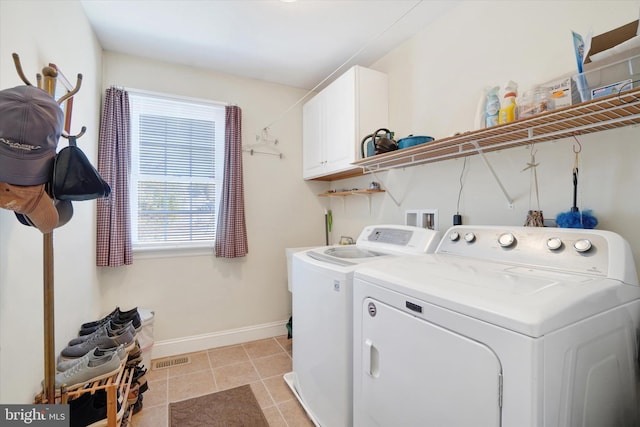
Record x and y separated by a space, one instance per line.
435 82
436 79
199 299
42 32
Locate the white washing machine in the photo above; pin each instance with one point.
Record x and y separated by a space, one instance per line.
322 281
502 326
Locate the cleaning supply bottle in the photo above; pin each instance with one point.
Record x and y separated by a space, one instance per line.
492 107
508 109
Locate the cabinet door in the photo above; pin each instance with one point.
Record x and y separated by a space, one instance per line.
340 122
372 103
337 119
313 161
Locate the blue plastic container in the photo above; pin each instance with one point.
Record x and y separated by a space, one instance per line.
411 140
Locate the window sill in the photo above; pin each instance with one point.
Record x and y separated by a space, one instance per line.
172 251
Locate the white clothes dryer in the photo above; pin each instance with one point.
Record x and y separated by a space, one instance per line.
502 326
322 282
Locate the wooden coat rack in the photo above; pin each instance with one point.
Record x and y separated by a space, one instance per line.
47 81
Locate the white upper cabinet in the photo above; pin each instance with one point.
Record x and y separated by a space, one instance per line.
337 119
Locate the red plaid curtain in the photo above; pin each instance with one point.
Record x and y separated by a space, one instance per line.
231 231
114 147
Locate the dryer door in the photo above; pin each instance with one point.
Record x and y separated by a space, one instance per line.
415 373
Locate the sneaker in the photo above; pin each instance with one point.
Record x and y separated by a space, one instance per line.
125 337
140 377
134 392
139 374
102 330
110 328
97 352
90 409
135 356
120 351
120 318
134 359
102 321
137 407
88 370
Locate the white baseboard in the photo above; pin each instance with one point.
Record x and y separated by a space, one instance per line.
194 343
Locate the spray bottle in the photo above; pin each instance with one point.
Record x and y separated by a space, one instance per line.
508 109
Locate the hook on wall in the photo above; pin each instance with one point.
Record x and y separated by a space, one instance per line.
72 92
579 145
82 131
16 61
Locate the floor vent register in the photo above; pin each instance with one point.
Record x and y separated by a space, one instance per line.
167 363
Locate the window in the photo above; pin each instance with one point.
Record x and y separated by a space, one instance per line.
176 171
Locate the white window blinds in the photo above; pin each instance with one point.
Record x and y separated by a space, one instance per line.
176 170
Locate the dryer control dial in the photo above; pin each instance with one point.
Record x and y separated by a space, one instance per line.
454 236
582 245
554 243
506 240
469 237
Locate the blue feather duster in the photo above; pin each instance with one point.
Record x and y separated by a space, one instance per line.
573 218
576 220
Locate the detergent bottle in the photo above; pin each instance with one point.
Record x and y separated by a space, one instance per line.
492 107
508 109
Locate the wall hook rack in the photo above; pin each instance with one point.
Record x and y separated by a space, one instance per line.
48 83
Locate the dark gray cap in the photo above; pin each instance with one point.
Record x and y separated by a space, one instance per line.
30 126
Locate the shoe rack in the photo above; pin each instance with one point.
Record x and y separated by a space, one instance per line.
117 388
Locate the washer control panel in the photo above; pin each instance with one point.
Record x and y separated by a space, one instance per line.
390 235
399 238
573 250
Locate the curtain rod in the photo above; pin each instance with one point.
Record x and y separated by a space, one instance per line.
172 96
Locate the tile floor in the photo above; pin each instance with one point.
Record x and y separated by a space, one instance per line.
258 363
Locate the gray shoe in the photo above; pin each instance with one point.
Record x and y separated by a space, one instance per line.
87 370
97 352
108 328
126 337
102 330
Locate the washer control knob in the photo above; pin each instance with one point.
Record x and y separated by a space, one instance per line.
554 243
454 236
469 237
582 245
506 240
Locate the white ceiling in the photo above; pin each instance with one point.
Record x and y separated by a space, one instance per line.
298 43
